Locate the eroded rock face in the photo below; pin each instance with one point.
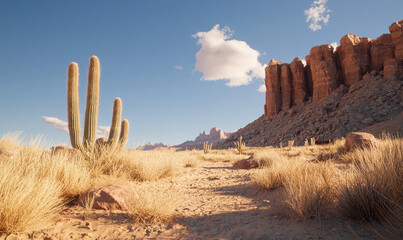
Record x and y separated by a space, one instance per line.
299 83
382 49
286 89
325 77
354 57
112 197
396 31
356 140
273 88
393 67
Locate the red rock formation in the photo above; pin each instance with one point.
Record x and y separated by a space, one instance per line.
382 49
309 83
393 67
273 88
396 31
299 88
286 89
354 57
325 77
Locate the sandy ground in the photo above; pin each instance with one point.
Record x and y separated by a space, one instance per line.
217 202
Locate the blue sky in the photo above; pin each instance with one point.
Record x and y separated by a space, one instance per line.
139 43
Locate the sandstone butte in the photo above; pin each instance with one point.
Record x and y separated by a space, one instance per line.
327 68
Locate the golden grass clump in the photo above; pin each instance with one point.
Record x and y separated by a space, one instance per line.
373 188
26 200
154 206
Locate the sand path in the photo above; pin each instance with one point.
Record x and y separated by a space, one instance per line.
218 202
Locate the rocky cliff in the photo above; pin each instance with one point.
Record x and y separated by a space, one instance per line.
327 68
355 86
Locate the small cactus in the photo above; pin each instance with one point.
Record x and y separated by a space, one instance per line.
306 142
312 141
206 147
239 145
291 143
91 110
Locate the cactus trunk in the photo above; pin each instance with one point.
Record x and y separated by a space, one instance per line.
116 118
124 133
91 110
73 112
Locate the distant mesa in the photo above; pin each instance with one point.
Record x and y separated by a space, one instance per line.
215 136
151 146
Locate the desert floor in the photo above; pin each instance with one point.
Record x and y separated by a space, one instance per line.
216 201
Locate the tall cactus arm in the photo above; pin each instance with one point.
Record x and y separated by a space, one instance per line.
91 109
116 118
73 112
124 133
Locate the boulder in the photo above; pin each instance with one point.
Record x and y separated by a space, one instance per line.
299 85
286 89
381 49
325 77
112 197
356 140
273 88
101 141
354 57
66 149
246 163
396 31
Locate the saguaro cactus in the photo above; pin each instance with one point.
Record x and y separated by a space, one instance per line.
91 110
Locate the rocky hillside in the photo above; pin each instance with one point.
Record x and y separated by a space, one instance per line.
352 87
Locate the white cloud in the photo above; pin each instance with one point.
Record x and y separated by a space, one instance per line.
303 62
222 58
262 88
178 67
57 123
63 126
334 45
318 14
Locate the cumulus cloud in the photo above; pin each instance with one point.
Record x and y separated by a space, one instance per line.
63 126
303 61
178 67
317 15
57 123
222 58
262 88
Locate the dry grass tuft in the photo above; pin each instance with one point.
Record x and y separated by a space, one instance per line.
26 200
154 207
373 189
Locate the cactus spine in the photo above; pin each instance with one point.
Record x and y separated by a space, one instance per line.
91 109
116 117
73 111
124 133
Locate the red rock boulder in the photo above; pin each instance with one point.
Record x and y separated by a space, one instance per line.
246 163
382 49
354 58
298 83
396 31
112 197
286 89
325 77
356 140
273 87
